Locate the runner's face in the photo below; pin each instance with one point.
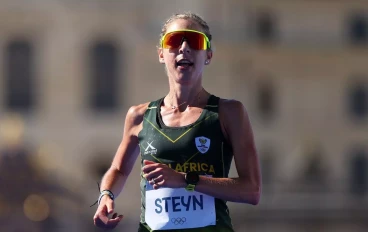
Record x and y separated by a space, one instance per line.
184 64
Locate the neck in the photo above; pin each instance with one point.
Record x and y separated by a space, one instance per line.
184 97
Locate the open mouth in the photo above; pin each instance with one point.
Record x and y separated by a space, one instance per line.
184 63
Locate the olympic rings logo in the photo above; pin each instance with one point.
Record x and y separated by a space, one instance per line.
179 220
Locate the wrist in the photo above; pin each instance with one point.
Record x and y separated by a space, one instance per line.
191 179
104 193
183 183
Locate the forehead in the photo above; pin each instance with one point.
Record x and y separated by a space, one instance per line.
180 24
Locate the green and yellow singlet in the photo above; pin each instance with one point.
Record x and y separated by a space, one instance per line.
198 147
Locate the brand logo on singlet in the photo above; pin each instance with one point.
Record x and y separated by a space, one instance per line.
202 144
150 150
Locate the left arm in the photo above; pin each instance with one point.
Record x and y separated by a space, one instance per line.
245 188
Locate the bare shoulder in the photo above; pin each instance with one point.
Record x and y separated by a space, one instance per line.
135 113
134 119
230 108
233 118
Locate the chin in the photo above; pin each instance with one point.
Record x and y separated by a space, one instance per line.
184 80
185 83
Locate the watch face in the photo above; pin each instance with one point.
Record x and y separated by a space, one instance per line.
192 178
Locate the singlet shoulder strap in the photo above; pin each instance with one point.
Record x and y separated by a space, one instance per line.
213 103
152 108
154 104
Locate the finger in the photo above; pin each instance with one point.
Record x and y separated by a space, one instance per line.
153 174
95 219
147 162
159 184
159 178
149 166
112 223
148 169
101 215
156 180
104 222
110 206
152 182
100 220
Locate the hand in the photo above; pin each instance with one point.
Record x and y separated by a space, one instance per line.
161 175
105 208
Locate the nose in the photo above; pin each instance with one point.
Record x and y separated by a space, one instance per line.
184 48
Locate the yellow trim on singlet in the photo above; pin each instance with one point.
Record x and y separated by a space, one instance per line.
174 141
191 157
147 227
157 159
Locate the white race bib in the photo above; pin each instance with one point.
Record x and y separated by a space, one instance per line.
168 208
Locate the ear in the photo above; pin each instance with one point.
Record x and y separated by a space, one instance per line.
209 57
160 55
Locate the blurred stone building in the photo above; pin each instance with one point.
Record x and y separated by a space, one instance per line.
72 69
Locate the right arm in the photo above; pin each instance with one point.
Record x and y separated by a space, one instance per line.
121 166
127 153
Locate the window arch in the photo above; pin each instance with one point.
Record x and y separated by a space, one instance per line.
104 76
358 100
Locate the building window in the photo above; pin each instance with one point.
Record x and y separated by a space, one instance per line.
314 169
358 100
266 99
358 29
104 76
358 172
19 76
265 27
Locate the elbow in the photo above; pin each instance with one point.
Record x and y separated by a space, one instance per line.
257 195
253 197
117 171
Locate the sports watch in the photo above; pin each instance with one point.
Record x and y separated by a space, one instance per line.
192 179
